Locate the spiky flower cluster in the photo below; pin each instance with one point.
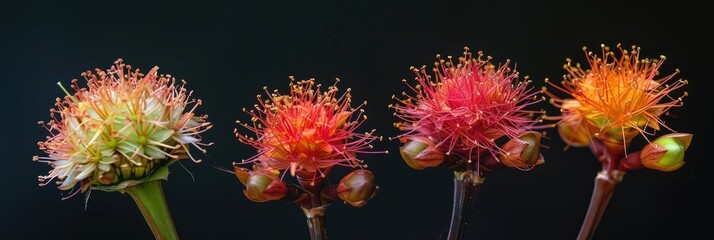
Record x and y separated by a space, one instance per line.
122 126
465 110
307 130
616 99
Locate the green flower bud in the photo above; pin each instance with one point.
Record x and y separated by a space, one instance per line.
666 153
420 153
357 187
522 152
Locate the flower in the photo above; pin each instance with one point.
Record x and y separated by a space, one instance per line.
616 99
308 130
122 126
464 110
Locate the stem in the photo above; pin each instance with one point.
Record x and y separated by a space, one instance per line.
313 207
466 188
605 184
149 197
316 222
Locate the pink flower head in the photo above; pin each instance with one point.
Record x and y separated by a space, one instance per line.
307 130
467 107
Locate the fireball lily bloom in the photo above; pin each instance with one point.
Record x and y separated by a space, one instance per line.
307 133
617 99
457 119
120 133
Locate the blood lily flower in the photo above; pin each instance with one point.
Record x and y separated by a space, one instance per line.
473 117
619 97
120 133
307 133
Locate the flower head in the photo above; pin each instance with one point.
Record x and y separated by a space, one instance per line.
616 99
122 126
307 130
465 108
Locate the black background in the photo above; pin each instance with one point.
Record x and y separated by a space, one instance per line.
228 50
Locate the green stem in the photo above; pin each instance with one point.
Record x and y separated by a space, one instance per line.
149 197
466 188
605 184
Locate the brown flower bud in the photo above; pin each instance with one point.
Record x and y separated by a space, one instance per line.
357 187
264 186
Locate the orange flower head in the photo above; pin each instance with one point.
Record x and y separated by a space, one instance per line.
617 98
466 108
307 130
120 128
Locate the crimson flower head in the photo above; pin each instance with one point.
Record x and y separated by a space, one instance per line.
465 110
307 131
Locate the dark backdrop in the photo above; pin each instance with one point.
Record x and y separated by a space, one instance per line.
228 50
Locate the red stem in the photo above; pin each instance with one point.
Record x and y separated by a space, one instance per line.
314 208
605 184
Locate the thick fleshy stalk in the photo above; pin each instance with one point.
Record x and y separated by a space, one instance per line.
149 197
605 184
466 189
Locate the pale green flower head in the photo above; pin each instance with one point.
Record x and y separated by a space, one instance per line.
120 129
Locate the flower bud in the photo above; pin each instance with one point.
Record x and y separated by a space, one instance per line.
572 129
357 187
242 174
108 178
522 152
420 153
263 187
574 135
666 153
